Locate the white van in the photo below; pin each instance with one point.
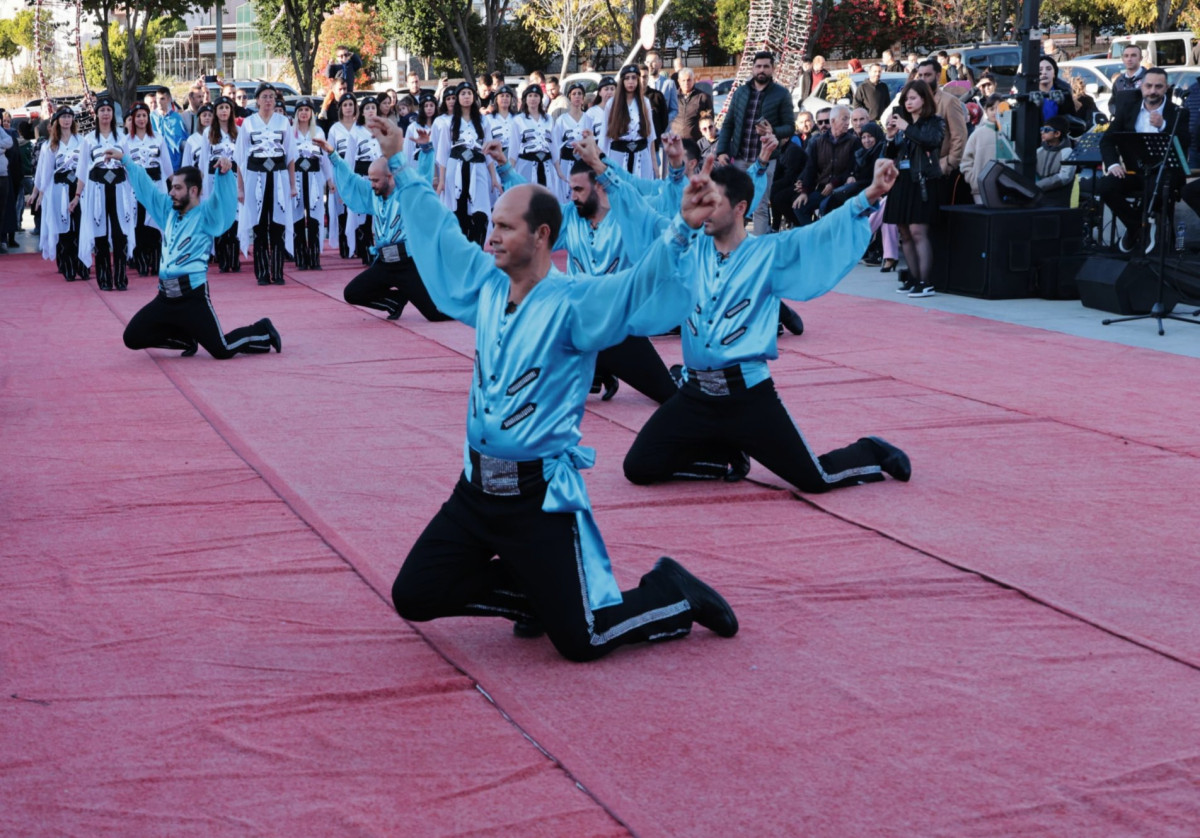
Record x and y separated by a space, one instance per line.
1160 49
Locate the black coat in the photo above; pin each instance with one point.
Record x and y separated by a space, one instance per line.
1125 121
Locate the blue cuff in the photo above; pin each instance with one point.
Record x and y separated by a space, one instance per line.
680 234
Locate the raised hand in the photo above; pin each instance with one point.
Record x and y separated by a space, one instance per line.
701 196
224 164
588 151
495 150
391 141
769 143
323 144
673 148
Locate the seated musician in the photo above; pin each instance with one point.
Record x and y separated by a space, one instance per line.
1148 111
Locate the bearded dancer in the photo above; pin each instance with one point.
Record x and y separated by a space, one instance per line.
521 496
182 316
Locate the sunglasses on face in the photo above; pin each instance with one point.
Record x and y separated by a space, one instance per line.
822 121
1046 129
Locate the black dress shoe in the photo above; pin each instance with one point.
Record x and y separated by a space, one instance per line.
191 350
892 460
709 608
528 629
264 282
606 381
790 320
273 333
739 468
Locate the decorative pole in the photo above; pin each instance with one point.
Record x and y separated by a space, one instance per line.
87 92
37 55
783 27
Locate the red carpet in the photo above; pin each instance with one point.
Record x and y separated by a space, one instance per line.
197 639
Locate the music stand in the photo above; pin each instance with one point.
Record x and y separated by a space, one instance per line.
1155 154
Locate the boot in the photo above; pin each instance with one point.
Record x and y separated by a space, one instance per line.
120 279
104 280
277 253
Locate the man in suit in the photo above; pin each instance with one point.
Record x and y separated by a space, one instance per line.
1148 111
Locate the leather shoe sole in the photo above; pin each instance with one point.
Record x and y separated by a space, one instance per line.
894 462
528 629
709 608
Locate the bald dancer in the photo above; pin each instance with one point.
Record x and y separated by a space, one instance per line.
391 281
517 540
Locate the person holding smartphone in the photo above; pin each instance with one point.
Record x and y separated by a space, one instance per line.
760 105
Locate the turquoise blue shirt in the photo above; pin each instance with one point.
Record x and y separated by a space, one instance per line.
188 237
171 128
357 194
601 249
534 365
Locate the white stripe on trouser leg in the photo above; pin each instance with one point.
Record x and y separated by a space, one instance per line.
633 623
841 475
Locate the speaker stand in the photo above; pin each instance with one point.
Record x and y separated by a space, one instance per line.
1165 212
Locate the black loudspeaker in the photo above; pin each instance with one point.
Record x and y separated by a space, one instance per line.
1122 286
1005 188
1003 254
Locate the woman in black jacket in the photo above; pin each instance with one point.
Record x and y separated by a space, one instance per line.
914 141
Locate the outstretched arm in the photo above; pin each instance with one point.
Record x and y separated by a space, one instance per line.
656 293
220 208
453 268
841 238
157 204
354 190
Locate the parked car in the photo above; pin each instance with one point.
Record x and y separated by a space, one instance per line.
720 92
1097 78
821 97
1181 80
1002 60
250 85
1160 49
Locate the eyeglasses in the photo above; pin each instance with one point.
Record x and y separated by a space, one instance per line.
822 121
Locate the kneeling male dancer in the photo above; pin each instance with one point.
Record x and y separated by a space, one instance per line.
727 409
182 316
521 496
392 280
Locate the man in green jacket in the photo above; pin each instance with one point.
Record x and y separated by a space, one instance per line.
758 106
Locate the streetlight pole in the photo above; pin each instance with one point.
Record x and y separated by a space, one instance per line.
1027 120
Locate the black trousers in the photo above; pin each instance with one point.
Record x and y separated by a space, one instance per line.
489 556
147 247
307 247
268 238
66 253
182 322
636 362
228 250
389 286
110 268
364 238
694 428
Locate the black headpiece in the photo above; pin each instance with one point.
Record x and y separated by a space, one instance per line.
104 102
206 108
575 85
630 70
224 100
60 112
504 88
347 97
263 88
606 81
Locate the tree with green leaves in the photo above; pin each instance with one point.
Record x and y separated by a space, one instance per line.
733 19
9 48
293 28
125 24
93 57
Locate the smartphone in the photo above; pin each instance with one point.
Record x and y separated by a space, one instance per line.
763 126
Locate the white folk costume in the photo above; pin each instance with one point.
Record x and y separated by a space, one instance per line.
57 174
631 151
109 210
151 153
202 153
468 189
533 144
344 229
502 128
264 150
566 131
366 152
312 174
